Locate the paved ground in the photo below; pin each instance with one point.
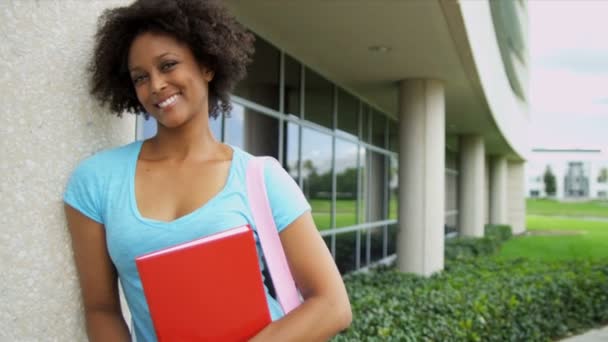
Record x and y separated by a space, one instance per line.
596 335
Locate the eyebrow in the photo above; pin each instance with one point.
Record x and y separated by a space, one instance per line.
131 69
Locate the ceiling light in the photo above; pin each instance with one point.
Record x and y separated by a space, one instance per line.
379 48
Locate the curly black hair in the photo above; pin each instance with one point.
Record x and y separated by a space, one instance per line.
216 39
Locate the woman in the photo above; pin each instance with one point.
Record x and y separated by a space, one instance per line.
177 61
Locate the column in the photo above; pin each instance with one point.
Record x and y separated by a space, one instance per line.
420 241
472 179
516 207
498 190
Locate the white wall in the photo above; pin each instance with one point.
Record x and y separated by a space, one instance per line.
48 122
509 111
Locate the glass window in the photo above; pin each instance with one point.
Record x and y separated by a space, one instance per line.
319 99
291 150
392 239
393 135
379 129
393 187
376 236
363 169
234 126
346 252
376 186
254 132
346 183
348 113
316 175
365 133
292 86
262 82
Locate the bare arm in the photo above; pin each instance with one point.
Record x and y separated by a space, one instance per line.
98 279
326 308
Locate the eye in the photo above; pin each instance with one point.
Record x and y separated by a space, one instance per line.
138 79
166 66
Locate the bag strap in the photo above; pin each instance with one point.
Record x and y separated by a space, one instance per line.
283 282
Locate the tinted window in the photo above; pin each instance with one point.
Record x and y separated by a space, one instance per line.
292 86
262 82
319 97
348 113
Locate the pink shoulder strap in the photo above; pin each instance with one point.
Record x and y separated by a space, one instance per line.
283 282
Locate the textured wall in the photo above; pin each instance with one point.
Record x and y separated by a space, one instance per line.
48 122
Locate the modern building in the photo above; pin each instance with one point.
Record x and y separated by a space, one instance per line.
401 120
579 174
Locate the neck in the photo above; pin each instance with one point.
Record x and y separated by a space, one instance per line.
191 141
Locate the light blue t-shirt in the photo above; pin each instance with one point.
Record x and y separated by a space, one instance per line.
102 188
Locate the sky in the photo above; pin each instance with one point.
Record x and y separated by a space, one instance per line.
568 45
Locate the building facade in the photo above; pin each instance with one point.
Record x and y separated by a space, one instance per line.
402 121
579 174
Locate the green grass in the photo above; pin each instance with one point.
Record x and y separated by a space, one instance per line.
346 213
552 207
568 239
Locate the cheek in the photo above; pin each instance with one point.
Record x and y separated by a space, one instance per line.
141 96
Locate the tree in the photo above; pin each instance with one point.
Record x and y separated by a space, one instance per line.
549 179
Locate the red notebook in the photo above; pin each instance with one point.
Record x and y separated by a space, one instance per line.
209 289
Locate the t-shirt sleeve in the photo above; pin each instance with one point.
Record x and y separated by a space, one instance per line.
83 190
286 199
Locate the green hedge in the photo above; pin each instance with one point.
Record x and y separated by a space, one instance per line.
462 248
479 300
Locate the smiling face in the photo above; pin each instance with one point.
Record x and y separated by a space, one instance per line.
168 81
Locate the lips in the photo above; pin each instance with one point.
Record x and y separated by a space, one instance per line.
168 101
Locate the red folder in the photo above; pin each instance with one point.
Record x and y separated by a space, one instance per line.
209 289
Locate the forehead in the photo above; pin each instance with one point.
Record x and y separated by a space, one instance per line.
149 46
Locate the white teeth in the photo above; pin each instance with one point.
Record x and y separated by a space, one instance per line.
168 101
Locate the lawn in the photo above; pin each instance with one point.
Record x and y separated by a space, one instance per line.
346 212
552 207
550 238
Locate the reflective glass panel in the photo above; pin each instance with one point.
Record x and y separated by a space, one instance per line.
316 175
346 252
375 178
252 131
393 137
377 243
346 183
262 82
319 97
292 86
379 129
363 189
366 124
292 145
392 239
393 187
348 113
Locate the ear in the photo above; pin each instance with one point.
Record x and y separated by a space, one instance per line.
208 74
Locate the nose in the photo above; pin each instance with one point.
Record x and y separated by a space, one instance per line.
157 83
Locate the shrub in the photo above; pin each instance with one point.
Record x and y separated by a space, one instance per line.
479 300
462 248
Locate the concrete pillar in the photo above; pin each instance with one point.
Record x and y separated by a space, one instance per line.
516 194
49 124
472 179
421 176
498 190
